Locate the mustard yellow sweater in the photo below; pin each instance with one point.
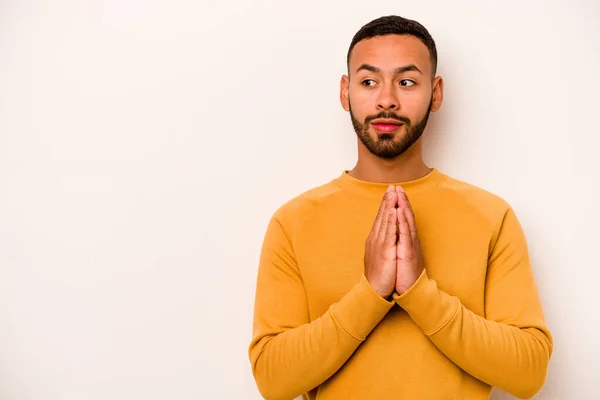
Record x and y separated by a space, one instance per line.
472 320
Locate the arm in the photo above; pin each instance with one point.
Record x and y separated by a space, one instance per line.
291 355
510 348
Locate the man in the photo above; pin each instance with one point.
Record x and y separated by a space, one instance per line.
394 280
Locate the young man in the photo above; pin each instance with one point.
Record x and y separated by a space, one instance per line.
394 280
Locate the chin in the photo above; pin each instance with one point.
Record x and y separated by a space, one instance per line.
380 137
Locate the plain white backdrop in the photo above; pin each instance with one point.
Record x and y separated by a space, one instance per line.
145 144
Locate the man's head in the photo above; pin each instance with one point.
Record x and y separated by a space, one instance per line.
391 85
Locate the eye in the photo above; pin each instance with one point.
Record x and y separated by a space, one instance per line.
407 82
364 83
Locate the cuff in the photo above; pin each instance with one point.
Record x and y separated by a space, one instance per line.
429 307
359 311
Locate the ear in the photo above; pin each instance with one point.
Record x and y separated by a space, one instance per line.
344 87
438 93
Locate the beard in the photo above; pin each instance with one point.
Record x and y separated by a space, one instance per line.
384 145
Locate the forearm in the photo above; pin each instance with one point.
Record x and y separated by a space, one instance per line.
293 361
512 358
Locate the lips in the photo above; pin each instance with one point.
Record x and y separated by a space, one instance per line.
386 127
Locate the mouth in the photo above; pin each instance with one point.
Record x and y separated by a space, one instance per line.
387 127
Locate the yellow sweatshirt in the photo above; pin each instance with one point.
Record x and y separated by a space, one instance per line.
471 321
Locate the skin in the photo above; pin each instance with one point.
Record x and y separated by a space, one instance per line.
405 95
393 256
391 77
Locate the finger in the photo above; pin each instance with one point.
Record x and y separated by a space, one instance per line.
389 204
391 232
399 191
405 239
381 212
384 222
409 214
412 224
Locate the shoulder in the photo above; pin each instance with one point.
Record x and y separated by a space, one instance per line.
294 211
490 206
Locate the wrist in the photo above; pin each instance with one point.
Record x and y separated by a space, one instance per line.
383 292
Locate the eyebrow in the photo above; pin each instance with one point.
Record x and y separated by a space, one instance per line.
397 71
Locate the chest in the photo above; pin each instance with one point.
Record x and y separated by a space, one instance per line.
455 251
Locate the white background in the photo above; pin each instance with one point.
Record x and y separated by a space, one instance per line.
145 144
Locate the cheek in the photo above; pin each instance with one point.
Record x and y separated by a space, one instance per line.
363 104
414 104
366 98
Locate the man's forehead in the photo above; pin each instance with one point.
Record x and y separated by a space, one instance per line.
390 52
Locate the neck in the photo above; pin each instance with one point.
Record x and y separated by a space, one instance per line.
407 166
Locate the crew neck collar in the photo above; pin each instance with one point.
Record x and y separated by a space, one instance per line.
377 189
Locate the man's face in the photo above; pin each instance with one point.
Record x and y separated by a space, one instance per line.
390 92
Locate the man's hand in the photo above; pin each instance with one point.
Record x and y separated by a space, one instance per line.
409 262
380 247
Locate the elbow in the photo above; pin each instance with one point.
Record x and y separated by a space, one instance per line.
537 381
269 386
525 385
533 382
268 383
270 394
268 390
271 390
529 389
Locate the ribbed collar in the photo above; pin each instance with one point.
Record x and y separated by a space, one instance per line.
377 189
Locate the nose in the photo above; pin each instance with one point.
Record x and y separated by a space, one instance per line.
387 99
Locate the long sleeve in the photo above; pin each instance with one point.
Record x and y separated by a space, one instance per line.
510 346
290 354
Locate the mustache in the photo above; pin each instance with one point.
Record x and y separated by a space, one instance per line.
388 115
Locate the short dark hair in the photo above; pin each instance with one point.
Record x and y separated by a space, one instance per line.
395 25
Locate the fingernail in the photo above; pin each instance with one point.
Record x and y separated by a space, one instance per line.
389 189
